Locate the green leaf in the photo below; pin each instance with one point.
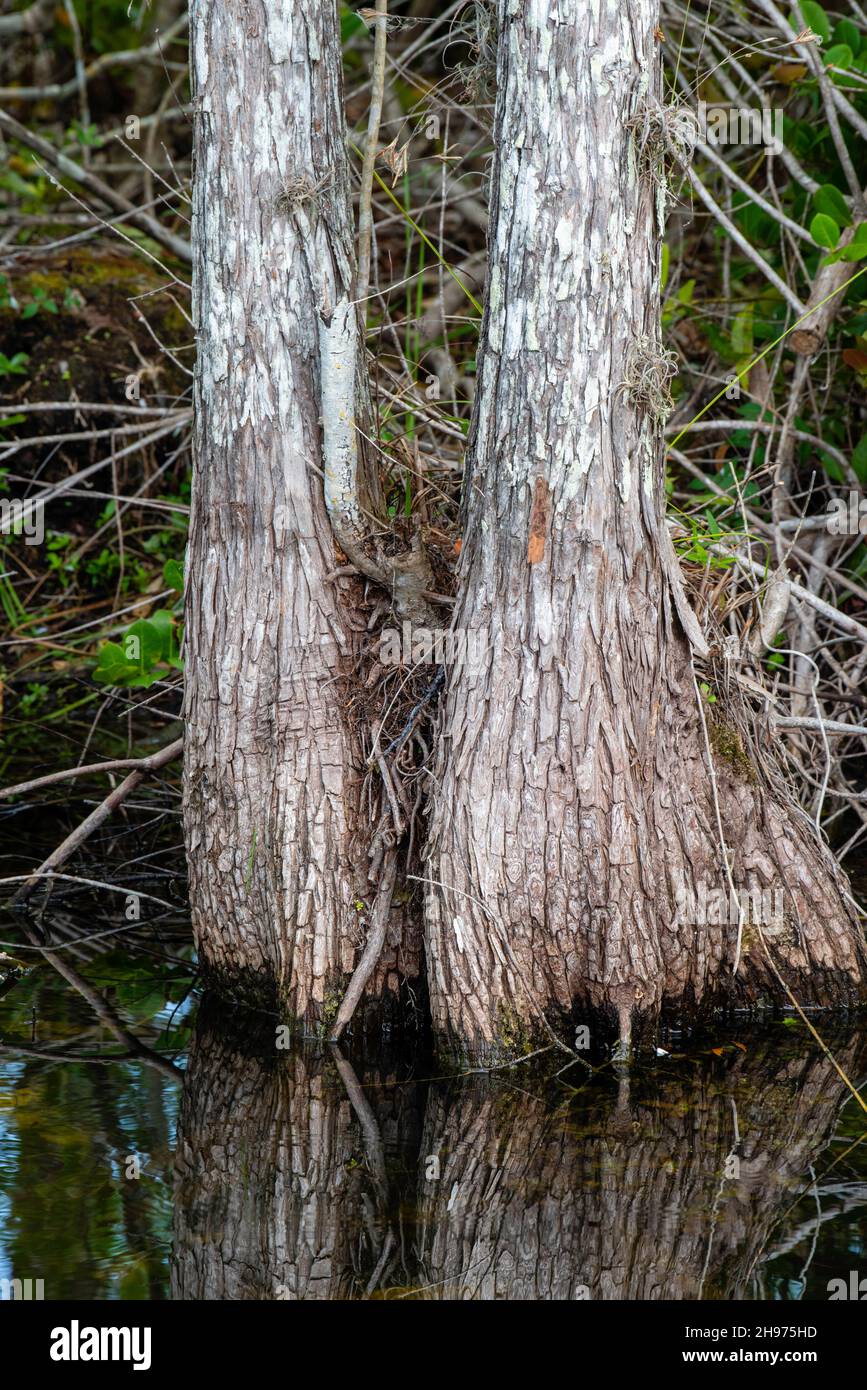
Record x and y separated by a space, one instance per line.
113 666
163 623
350 24
14 366
143 645
824 231
859 460
147 1006
742 332
847 33
830 201
15 184
173 575
815 17
855 251
840 56
831 467
147 644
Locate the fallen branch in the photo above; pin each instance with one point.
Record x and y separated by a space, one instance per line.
147 764
30 21
95 186
829 726
59 91
96 818
365 199
373 949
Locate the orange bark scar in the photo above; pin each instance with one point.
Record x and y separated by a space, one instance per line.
540 515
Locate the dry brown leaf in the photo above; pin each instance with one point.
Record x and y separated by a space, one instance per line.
396 159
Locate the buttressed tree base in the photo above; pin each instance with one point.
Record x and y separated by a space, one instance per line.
588 784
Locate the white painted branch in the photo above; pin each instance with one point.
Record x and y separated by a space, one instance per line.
339 336
338 352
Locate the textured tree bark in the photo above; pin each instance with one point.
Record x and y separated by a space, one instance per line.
573 791
272 763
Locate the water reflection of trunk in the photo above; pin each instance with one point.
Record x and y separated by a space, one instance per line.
629 1196
280 1182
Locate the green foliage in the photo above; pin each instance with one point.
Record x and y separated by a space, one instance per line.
829 202
824 231
147 653
350 24
173 575
859 460
815 17
847 33
14 366
41 302
87 136
855 251
839 56
695 546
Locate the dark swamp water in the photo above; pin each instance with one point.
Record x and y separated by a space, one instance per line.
735 1168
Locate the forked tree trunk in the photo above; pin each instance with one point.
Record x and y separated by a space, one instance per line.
272 762
573 793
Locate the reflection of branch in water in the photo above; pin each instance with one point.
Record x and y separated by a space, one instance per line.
375 1162
849 1197
100 1059
136 1050
732 1154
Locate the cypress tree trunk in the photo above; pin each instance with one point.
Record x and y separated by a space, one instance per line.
272 761
281 1186
577 786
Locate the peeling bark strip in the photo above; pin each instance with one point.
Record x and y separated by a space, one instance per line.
573 793
272 763
540 517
